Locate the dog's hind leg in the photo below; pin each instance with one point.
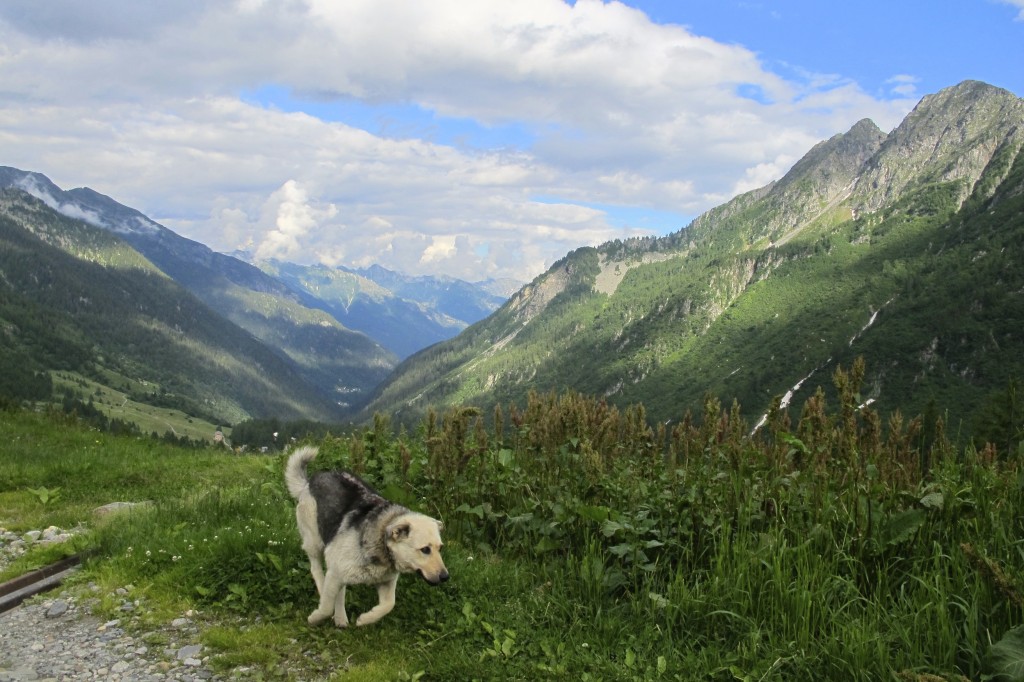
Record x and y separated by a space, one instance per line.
332 600
316 567
385 602
330 590
340 617
312 544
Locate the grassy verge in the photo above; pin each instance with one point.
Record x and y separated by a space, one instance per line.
582 545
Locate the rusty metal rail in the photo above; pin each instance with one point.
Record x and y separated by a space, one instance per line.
17 590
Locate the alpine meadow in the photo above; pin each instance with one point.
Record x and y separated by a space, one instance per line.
782 443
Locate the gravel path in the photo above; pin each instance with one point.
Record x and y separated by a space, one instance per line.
58 638
55 636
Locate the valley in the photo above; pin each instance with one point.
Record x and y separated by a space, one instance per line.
901 248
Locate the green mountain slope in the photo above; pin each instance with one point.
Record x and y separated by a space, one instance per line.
78 298
904 248
337 361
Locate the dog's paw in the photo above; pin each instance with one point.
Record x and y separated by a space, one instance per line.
341 621
317 617
365 619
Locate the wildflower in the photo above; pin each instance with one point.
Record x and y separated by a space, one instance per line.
148 553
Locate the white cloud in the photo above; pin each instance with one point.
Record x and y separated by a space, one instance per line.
31 186
904 85
1019 4
141 101
293 218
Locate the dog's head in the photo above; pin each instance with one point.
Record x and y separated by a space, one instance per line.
415 543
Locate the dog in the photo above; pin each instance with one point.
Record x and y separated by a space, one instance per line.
362 538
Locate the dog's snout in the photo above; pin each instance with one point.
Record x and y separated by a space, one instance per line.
436 579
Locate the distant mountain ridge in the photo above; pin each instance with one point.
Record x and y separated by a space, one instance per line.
343 341
401 312
902 247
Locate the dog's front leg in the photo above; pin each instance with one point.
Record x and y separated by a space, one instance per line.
331 591
385 602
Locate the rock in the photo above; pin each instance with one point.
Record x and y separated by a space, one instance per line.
190 651
115 507
58 609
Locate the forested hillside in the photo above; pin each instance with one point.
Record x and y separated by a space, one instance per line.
334 360
903 248
77 298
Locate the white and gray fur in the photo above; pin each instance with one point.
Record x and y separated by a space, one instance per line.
362 538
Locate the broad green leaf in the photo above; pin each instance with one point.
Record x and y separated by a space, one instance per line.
547 544
594 513
1005 659
610 528
902 526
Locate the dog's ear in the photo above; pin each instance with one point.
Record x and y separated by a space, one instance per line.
399 530
440 525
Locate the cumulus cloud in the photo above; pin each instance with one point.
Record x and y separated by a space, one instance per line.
294 216
146 102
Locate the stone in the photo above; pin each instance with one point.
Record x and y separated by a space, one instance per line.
190 651
115 507
58 609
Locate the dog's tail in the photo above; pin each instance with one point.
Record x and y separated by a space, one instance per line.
295 471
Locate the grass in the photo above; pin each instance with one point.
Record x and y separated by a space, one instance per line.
582 545
115 404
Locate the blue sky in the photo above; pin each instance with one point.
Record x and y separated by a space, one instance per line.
937 43
481 139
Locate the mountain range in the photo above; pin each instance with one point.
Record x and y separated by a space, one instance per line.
291 355
402 313
904 248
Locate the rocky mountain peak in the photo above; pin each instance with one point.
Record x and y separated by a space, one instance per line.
951 135
830 166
